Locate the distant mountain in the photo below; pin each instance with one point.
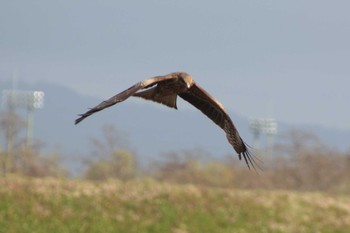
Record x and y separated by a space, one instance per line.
150 129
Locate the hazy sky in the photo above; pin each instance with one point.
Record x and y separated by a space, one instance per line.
286 59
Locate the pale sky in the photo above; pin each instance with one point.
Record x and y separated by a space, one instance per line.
285 59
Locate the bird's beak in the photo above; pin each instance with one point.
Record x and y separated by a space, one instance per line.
188 85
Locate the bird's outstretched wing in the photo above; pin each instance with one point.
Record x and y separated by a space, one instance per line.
214 110
125 94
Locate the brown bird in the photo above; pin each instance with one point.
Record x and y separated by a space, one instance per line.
165 89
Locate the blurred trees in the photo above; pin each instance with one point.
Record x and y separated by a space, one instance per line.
11 126
306 163
17 158
192 166
301 162
120 165
110 159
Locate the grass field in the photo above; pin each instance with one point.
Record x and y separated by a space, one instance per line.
51 205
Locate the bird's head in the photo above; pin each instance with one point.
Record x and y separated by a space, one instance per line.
186 79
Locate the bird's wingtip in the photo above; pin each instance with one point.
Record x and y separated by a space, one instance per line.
251 160
81 117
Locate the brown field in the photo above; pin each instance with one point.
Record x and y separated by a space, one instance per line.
54 205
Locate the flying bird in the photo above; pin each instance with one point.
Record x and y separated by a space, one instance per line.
165 89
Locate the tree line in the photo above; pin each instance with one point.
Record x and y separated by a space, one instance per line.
300 162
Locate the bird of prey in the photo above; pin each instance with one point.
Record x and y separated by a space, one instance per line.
165 89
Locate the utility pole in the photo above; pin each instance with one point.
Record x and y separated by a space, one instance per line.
12 99
35 100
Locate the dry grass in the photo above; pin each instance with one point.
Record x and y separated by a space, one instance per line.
52 205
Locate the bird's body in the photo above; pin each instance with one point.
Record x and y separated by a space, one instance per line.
165 89
166 93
